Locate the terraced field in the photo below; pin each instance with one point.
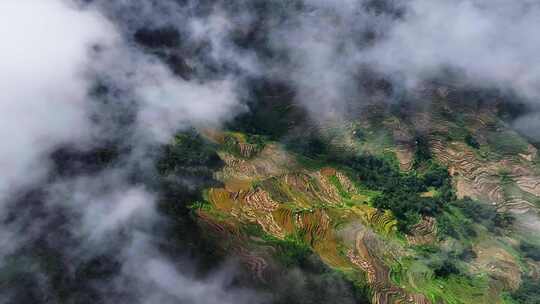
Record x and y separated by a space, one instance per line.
324 209
315 206
271 196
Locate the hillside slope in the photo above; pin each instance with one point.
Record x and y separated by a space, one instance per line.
416 205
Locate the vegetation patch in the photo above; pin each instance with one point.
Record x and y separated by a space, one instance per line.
530 250
528 292
472 142
507 142
335 181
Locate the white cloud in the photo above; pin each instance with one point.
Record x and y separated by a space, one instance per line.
44 50
169 104
494 43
